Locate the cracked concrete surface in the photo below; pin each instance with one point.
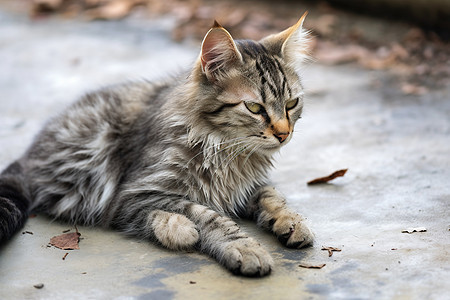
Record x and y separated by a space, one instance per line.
397 149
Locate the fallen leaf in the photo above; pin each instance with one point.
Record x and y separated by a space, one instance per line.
312 266
330 250
411 230
66 241
328 178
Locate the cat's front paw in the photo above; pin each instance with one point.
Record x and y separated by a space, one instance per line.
247 257
292 231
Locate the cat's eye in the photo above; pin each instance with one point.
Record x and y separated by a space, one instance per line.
254 107
291 103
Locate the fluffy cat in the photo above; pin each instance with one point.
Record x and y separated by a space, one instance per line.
174 161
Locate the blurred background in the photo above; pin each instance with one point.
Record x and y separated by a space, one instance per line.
409 39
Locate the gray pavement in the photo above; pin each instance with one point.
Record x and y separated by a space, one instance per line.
397 149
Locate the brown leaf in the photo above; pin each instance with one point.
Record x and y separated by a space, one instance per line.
330 250
66 241
312 266
328 178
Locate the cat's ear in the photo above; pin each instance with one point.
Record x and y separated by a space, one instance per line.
291 44
218 53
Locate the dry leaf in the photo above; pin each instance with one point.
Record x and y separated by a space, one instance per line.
66 241
330 250
329 177
312 266
411 230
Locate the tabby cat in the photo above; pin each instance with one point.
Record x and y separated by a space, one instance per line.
175 161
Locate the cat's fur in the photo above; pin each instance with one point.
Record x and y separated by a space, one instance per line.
173 161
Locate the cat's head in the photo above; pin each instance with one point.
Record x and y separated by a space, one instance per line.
250 90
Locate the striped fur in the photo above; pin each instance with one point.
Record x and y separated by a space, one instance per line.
174 161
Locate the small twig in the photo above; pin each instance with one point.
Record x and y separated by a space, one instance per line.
65 255
312 266
328 178
330 250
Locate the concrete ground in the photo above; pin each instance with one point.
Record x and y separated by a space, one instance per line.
396 147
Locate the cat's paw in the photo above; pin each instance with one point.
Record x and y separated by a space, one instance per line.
247 257
175 231
292 231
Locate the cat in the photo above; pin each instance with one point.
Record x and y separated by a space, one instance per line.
175 161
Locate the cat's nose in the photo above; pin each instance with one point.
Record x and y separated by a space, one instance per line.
281 136
281 130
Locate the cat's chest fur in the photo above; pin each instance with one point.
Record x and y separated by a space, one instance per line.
215 173
228 177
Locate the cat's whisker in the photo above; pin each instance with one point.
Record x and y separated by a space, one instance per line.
235 153
208 156
225 148
256 147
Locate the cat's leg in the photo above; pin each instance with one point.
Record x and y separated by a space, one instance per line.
270 211
222 238
173 230
219 236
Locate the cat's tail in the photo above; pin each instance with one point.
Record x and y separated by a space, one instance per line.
14 205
